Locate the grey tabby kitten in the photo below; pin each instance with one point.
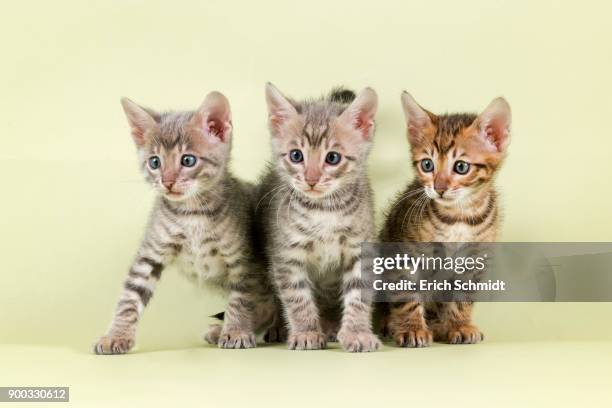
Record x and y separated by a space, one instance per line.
316 209
202 218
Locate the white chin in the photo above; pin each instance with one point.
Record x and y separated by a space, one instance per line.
313 194
175 196
447 200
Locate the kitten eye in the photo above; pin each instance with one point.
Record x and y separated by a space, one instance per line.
188 160
296 156
427 165
333 158
461 167
154 162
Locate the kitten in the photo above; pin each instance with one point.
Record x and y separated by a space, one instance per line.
452 199
201 218
316 209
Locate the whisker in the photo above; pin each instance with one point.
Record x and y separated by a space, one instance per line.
276 188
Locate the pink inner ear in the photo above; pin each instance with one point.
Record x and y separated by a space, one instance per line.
496 133
216 128
276 120
415 131
138 133
363 123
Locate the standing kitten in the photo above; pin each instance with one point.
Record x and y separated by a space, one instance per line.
452 199
202 218
316 209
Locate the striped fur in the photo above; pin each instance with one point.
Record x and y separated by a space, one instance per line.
313 229
445 206
203 222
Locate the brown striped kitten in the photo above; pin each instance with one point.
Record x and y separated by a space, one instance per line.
452 199
316 209
202 219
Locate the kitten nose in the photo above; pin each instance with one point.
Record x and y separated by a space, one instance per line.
312 175
312 181
440 185
168 184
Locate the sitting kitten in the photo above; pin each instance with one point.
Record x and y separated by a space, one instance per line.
452 199
316 209
201 218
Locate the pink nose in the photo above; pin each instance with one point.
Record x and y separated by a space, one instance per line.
440 190
440 185
311 183
312 175
168 184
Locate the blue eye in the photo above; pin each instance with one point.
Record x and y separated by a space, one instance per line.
154 162
427 165
333 158
296 156
461 167
188 160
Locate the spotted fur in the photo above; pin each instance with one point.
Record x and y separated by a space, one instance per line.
445 206
202 220
314 217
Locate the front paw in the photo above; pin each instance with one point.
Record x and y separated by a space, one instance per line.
465 334
311 340
213 334
237 339
113 344
416 337
358 341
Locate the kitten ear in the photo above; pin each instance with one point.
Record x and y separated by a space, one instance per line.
360 113
279 109
493 124
140 120
417 118
214 118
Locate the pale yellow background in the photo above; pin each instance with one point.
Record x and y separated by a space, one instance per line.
73 204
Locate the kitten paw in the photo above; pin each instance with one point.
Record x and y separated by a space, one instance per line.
465 334
237 340
306 341
356 342
276 335
113 345
420 337
213 334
